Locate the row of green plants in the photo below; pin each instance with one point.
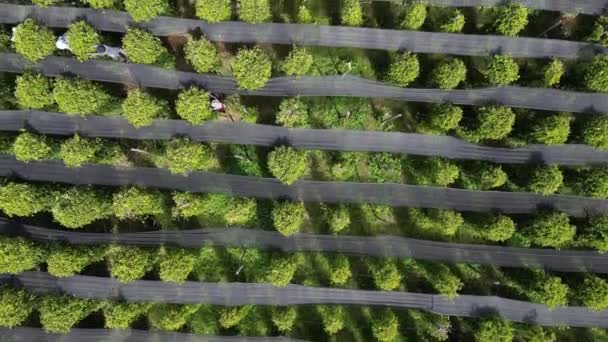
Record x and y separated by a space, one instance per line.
253 67
60 313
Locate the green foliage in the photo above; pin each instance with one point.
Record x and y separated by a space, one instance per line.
175 264
31 147
352 13
595 234
404 70
121 315
184 156
60 313
449 20
284 318
17 305
129 263
594 293
33 91
213 11
64 261
436 221
440 118
170 317
288 164
144 10
204 321
23 199
338 218
45 3
385 273
333 318
500 70
144 48
102 4
77 207
340 271
384 167
546 180
231 316
596 76
594 183
414 15
254 11
600 31
492 123
550 129
202 54
131 203
510 19
281 270
18 255
550 291
434 171
215 208
482 176
33 40
77 151
553 73
495 228
288 217
83 40
550 230
494 330
304 16
298 62
385 326
448 74
293 112
594 132
251 68
141 108
193 105
77 96
240 211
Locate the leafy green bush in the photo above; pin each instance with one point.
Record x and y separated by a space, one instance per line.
550 230
65 261
23 199
546 180
440 118
60 313
352 13
550 291
510 19
594 131
175 264
103 4
431 171
141 108
293 112
440 222
333 318
144 48
144 10
202 54
494 329
385 326
339 272
600 31
45 3
550 129
80 97
193 105
482 176
284 317
449 20
495 228
77 207
594 293
83 40
131 203
33 91
241 211
501 71
595 234
383 167
596 76
121 315
338 218
404 70
449 74
288 217
252 68
385 273
17 305
18 255
34 41
594 182
254 11
304 15
414 15
553 73
76 151
288 164
281 270
231 316
170 317
31 147
128 263
184 156
492 123
213 11
298 62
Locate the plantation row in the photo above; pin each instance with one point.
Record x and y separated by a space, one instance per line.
252 68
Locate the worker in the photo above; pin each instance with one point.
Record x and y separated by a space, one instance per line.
62 42
217 105
115 53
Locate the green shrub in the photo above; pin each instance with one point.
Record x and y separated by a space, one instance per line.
121 315
482 176
594 293
213 11
281 270
510 19
33 91
449 74
34 41
252 68
594 132
449 20
31 147
284 318
78 207
550 291
77 151
304 16
383 167
385 273
83 40
600 31
594 182
596 76
175 264
352 13
129 263
431 171
288 217
440 118
404 70
338 218
553 73
550 129
414 16
23 199
202 54
333 318
241 211
546 180
59 314
595 234
495 228
132 203
254 11
80 97
144 10
492 123
298 62
170 317
17 305
184 156
293 112
501 71
65 261
18 255
550 230
45 3
193 105
385 326
288 164
144 48
493 329
231 316
141 108
103 4
440 222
